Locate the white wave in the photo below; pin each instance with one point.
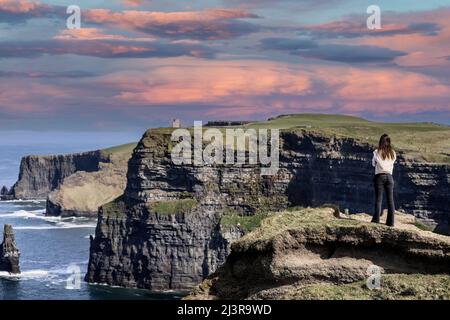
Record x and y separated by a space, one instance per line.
31 274
24 201
61 225
54 222
34 214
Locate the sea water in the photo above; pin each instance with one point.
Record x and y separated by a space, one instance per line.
51 246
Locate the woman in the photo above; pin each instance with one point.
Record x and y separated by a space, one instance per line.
383 161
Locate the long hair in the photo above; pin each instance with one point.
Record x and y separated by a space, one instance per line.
385 147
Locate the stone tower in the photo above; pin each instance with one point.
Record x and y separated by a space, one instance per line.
176 123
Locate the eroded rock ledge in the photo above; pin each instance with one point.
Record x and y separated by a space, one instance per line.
310 254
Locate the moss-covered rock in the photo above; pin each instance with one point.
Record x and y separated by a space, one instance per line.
312 254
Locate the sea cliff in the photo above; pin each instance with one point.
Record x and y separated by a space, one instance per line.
39 175
74 184
174 224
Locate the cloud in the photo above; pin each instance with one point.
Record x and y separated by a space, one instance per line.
46 74
14 11
356 28
232 89
424 49
94 34
210 24
331 52
286 44
102 49
207 82
133 3
263 86
351 54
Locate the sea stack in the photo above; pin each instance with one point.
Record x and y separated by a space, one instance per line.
9 253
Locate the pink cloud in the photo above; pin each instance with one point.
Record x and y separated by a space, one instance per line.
133 3
218 82
94 34
263 86
19 6
30 96
207 24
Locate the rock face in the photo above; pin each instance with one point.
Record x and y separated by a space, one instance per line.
139 242
74 184
310 254
39 175
82 193
9 253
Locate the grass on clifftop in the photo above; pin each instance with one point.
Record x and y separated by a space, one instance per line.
420 140
278 223
246 223
124 148
393 287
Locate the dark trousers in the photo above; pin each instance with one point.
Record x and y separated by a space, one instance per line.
384 182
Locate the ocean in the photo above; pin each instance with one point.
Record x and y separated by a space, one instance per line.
53 249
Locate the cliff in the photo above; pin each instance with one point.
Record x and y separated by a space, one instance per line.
39 175
82 193
73 184
9 253
311 254
174 224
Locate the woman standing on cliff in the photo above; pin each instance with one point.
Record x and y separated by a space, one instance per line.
383 161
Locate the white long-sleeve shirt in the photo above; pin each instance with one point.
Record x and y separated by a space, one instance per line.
383 166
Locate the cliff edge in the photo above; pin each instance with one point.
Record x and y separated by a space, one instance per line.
311 254
73 184
83 192
174 224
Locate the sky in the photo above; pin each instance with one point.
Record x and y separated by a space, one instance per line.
135 64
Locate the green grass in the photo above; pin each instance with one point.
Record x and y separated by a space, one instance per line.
174 206
114 209
393 287
246 223
423 141
422 226
124 148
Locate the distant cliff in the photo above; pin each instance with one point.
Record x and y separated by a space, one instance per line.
174 224
74 184
39 175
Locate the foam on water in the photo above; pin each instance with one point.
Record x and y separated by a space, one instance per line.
60 225
26 275
55 222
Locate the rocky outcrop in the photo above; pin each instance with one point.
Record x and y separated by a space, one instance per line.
39 175
5 194
9 253
82 193
310 254
74 184
150 239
